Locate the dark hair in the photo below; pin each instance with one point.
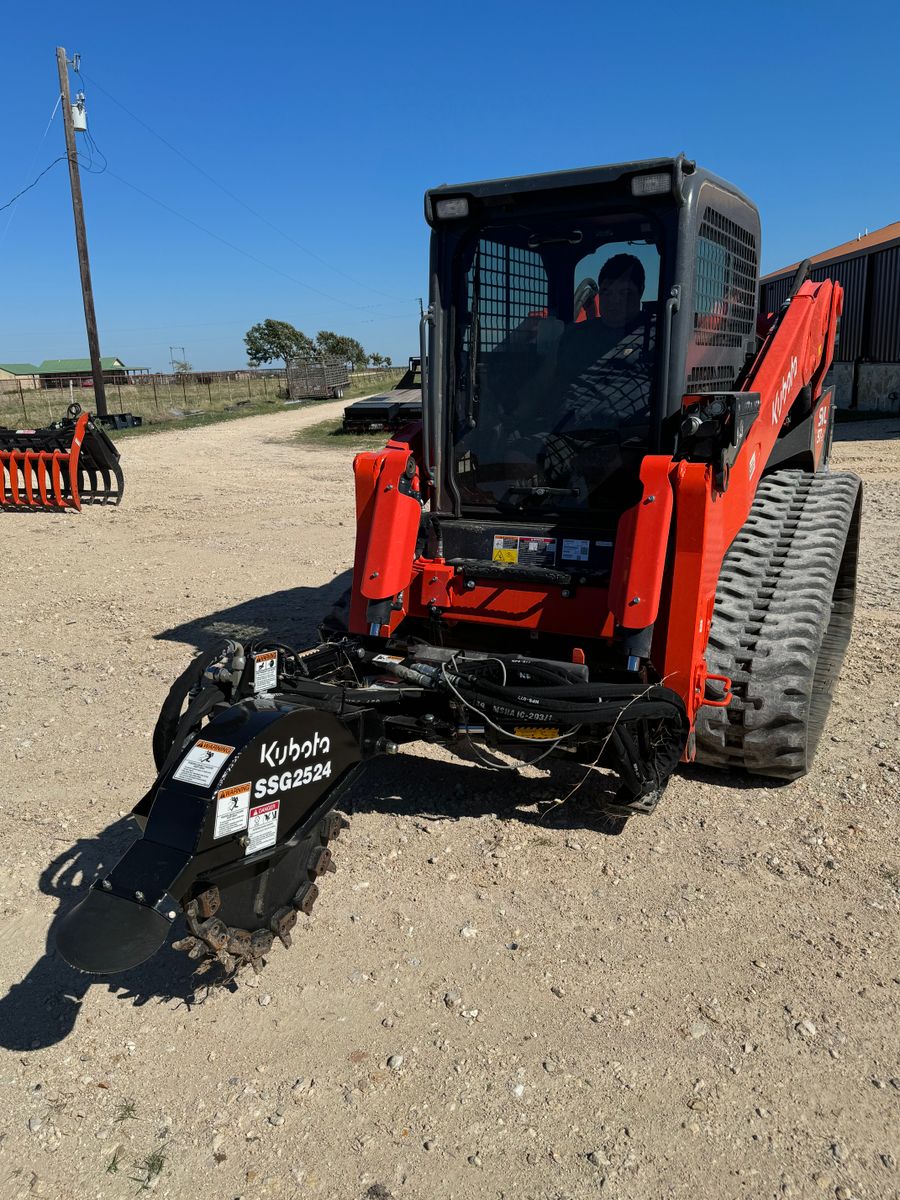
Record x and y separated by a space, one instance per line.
619 267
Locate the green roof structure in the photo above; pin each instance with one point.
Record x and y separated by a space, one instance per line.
19 368
54 366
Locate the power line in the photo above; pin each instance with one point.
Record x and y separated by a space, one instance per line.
259 216
61 158
342 300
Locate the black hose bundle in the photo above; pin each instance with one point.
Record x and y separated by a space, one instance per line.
643 728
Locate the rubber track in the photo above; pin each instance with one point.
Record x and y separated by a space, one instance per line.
781 623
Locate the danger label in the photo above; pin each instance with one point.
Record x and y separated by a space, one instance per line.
262 827
202 763
232 809
524 550
265 671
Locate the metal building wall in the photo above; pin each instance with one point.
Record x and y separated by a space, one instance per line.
877 272
884 324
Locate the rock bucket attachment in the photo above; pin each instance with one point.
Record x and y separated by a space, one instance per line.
70 463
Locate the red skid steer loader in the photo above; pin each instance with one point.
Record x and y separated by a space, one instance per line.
612 539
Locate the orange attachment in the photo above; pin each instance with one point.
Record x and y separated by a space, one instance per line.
36 477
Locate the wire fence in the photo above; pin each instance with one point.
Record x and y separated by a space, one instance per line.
166 397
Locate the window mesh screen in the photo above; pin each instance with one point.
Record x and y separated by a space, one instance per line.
512 285
711 378
725 285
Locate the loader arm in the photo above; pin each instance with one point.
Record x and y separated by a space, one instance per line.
795 356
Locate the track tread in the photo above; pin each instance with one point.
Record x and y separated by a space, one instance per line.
781 623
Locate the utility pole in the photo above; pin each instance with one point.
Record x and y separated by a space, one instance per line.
87 292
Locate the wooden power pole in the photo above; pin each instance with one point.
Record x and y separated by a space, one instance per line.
87 292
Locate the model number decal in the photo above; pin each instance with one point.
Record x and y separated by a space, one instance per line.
288 780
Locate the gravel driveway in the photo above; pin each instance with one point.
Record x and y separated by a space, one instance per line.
482 1006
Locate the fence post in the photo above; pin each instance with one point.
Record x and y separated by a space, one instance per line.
209 392
119 392
265 388
184 391
22 398
155 397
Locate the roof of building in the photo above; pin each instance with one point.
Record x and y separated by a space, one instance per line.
19 368
50 366
859 245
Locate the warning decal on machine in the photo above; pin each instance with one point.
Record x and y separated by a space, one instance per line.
524 550
262 828
265 671
202 763
232 809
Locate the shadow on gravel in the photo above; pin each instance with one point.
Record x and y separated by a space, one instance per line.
401 786
291 616
42 1009
880 429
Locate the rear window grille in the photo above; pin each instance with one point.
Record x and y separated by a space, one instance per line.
711 379
725 285
512 286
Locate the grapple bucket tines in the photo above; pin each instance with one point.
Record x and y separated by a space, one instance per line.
68 464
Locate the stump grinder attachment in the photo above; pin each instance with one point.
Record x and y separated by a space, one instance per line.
69 463
613 539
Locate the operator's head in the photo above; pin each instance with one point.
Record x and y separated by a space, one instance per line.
620 285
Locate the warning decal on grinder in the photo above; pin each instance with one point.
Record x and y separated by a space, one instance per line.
202 763
232 808
265 671
262 829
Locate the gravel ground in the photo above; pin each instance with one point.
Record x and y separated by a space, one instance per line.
481 1006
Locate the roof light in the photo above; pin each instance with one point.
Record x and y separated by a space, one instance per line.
651 185
449 209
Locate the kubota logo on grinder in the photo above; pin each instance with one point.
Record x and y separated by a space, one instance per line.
276 754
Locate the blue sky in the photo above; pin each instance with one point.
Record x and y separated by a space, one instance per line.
330 120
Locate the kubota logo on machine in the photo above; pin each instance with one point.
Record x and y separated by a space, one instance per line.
276 754
784 392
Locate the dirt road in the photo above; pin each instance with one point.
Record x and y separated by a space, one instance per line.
705 1007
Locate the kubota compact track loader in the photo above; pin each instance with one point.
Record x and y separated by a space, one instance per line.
69 463
613 539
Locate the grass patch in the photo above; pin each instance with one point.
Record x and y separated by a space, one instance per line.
327 435
126 1110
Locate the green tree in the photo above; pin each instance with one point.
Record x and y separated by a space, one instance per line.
182 366
346 349
277 339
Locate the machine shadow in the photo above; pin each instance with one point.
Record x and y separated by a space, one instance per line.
397 785
43 1008
879 429
291 616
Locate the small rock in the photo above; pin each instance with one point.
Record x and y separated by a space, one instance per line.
806 1028
879 1083
34 1124
474 1160
839 1152
452 999
468 931
598 1159
822 1181
889 1161
388 1022
519 1091
843 1193
276 1119
699 1029
429 1145
557 991
265 999
395 1062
